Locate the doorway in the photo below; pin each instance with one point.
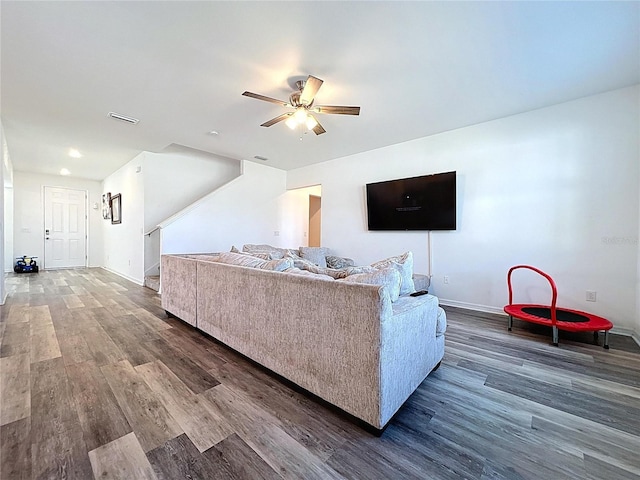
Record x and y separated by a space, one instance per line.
315 221
65 228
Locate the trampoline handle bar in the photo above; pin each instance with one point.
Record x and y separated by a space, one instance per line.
554 290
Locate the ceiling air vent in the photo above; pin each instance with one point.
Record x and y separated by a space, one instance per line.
123 118
260 157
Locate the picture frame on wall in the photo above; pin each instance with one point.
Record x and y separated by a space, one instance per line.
106 205
116 209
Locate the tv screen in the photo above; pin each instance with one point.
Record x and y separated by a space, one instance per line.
418 203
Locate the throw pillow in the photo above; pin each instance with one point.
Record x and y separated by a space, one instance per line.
307 273
245 260
275 252
404 265
316 255
313 268
389 277
240 259
360 269
234 249
334 261
261 255
278 265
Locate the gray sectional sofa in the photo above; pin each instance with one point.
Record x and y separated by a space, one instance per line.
348 343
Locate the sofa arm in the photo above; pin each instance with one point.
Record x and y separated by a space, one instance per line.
421 281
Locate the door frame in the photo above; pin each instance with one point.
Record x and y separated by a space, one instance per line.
44 222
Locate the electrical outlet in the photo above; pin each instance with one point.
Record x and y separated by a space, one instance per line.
446 279
591 296
276 233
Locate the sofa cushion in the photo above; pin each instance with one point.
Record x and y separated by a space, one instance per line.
358 269
404 265
250 261
339 262
274 252
316 255
260 255
298 271
389 277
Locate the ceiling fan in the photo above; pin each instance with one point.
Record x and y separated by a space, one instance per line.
303 108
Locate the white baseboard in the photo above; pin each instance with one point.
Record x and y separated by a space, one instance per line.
131 279
627 333
471 306
498 311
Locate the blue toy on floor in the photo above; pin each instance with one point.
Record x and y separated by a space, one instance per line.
26 264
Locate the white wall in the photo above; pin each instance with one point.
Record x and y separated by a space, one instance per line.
6 202
155 186
28 232
556 188
177 177
9 257
246 210
637 325
124 242
7 223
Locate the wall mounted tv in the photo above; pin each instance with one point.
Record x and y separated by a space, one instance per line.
417 203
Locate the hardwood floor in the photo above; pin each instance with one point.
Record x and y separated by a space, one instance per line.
96 382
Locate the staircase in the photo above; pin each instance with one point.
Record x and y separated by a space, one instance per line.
152 282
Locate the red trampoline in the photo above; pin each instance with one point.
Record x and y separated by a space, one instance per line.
557 318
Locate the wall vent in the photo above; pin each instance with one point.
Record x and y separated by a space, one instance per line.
260 157
123 118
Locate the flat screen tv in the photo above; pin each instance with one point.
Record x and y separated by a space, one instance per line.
417 203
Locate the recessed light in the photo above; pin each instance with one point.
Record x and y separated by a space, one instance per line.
214 133
74 153
260 157
65 171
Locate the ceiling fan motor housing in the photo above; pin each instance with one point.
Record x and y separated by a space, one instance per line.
294 98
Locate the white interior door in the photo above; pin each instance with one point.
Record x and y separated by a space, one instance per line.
65 224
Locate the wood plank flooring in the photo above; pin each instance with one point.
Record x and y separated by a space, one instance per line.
97 382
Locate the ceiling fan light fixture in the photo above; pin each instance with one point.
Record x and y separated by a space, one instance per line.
300 115
311 122
291 122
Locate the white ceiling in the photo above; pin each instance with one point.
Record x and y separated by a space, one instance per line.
415 68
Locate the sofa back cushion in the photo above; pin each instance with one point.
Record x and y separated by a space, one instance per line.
388 277
315 255
404 265
250 261
273 252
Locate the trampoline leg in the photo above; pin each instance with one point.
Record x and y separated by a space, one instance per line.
606 339
555 336
510 324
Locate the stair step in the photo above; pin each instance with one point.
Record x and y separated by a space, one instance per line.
152 282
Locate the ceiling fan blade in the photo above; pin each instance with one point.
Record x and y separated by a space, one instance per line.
311 87
337 109
266 99
277 119
318 130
